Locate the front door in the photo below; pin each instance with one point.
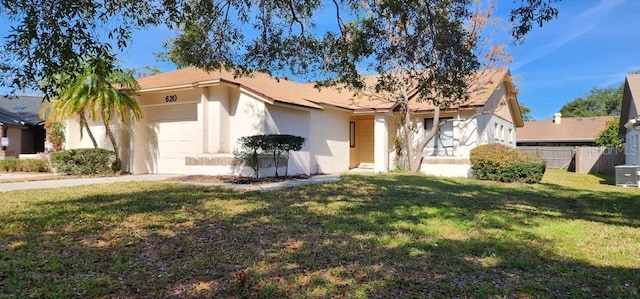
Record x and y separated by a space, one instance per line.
361 142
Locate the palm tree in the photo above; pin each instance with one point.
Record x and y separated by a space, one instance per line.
100 91
60 110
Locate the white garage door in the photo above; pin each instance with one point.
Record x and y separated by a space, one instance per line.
176 128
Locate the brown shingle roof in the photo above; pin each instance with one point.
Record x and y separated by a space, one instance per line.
569 129
305 94
275 90
634 86
479 92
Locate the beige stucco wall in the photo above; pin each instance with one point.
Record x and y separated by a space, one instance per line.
293 121
495 121
246 117
492 123
74 140
329 141
464 133
142 149
120 132
465 136
224 114
498 105
217 120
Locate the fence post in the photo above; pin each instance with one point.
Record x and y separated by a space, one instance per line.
576 155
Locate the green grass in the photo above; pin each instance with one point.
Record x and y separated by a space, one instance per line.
391 235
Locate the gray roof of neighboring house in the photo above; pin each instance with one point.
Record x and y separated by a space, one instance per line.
21 110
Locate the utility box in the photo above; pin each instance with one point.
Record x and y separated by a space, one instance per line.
627 175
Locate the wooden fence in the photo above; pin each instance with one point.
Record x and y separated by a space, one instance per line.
582 159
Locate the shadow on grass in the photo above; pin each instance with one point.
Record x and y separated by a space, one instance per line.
606 179
367 236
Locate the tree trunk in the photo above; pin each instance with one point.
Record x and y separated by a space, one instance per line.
114 144
275 161
408 138
83 122
419 150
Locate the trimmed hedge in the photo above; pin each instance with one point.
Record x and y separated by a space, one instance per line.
275 144
497 162
24 165
84 161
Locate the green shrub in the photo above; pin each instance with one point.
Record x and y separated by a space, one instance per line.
24 165
55 134
275 144
83 161
497 162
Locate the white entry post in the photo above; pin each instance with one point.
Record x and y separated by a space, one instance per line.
381 143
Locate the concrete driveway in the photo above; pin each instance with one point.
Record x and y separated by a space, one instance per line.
61 183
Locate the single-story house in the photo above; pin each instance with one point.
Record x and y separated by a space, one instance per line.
629 128
562 131
193 120
21 128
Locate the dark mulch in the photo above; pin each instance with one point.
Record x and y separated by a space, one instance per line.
233 179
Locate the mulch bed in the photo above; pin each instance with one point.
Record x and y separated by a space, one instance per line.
233 179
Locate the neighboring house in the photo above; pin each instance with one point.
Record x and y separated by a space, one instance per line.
22 130
562 131
193 120
630 119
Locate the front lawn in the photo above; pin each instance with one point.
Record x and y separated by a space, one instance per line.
367 236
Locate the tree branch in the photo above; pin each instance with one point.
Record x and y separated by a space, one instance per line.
295 18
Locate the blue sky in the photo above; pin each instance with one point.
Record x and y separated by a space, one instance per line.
592 43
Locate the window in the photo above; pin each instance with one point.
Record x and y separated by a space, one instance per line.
444 137
352 134
501 133
496 132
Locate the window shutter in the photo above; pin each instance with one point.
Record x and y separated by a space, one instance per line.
446 134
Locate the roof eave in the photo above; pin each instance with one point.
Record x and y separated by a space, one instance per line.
296 106
512 101
166 88
371 110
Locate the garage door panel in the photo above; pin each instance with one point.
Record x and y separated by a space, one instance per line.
174 113
176 134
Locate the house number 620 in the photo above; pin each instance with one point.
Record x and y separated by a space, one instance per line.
171 98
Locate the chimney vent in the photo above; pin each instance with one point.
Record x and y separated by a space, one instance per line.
557 118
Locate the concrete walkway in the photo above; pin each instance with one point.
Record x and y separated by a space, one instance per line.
62 183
